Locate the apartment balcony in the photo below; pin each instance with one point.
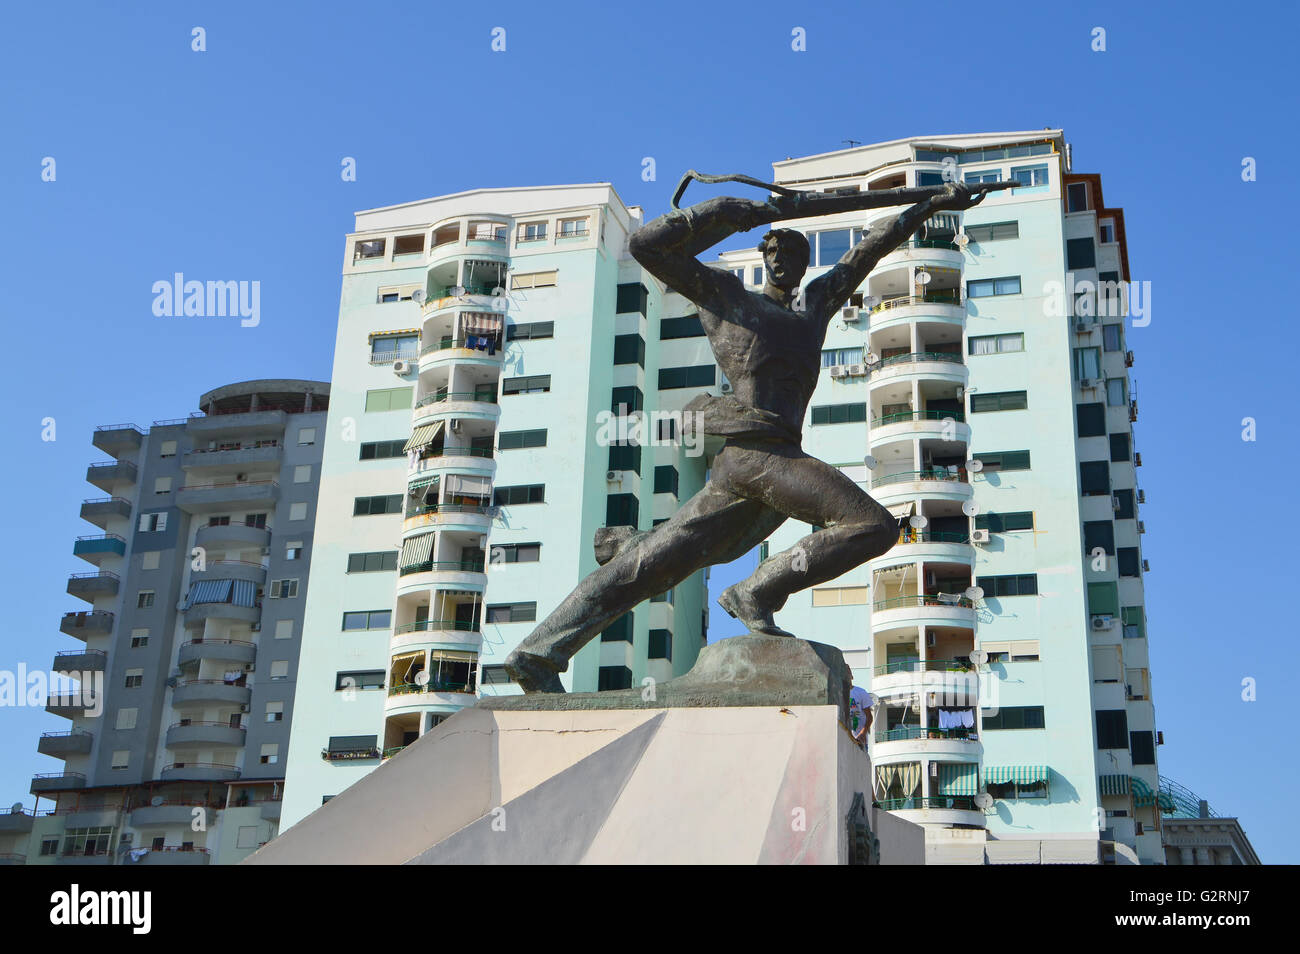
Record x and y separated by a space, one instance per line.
234 460
175 855
82 859
270 809
230 570
434 632
88 586
224 650
900 309
48 782
87 624
228 495
945 811
213 426
442 696
13 858
922 365
61 745
204 735
955 745
117 439
111 474
102 510
98 547
469 574
69 705
15 823
80 660
923 610
210 692
924 252
906 425
165 815
458 350
475 518
457 458
199 613
232 536
931 545
456 404
199 772
941 483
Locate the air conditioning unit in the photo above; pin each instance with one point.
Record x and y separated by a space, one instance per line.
1103 622
1142 496
850 313
857 370
979 537
1082 327
1088 382
243 708
401 367
1142 527
1160 738
839 371
1128 359
1114 503
1146 566
1137 460
613 476
725 387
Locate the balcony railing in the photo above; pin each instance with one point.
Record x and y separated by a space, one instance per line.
392 750
916 357
430 566
926 599
225 485
388 357
922 665
349 755
457 452
965 803
934 473
902 301
909 536
433 685
450 508
482 397
429 625
101 575
896 417
470 288
447 341
911 732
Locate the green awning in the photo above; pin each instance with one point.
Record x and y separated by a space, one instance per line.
958 778
1114 784
1020 774
416 550
423 435
1142 794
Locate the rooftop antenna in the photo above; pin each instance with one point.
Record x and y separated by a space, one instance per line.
851 142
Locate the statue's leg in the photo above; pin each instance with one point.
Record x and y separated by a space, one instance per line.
857 529
715 524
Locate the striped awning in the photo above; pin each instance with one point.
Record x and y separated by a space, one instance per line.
416 550
423 435
1114 784
899 511
1020 774
452 655
1142 794
469 485
210 591
244 593
480 323
958 778
389 334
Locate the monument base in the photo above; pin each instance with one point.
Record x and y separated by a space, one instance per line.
685 785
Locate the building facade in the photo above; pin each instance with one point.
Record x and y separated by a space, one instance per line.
188 648
505 383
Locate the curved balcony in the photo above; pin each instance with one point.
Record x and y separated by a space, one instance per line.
476 518
175 855
436 634
101 510
86 624
924 252
472 461
204 734
61 745
226 650
230 570
904 308
210 692
47 782
924 610
938 546
436 697
199 772
940 745
447 350
232 536
941 810
939 483
197 614
456 574
905 425
476 404
88 586
925 365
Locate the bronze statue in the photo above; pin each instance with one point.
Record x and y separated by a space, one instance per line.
771 353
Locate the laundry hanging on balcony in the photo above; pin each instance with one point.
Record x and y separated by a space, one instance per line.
423 436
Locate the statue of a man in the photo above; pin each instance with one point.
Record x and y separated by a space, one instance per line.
770 351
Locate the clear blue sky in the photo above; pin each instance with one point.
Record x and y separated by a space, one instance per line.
225 165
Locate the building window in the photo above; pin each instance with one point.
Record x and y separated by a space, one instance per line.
1143 746
1112 337
532 384
999 401
139 639
1112 729
988 287
1107 229
1124 505
516 553
666 479
1005 522
624 400
284 629
835 357
995 344
1116 395
829 246
625 457
629 349
1080 253
993 231
665 597
1098 535
126 718
512 612
302 474
685 327
167 449
88 842
360 679
520 494
988 175
1015 717
371 506
1087 364
367 619
534 279
1129 561
408 245
153 522
49 846
298 511
494 676
529 330
573 228
134 679
630 297
386 348
149 560
839 414
293 550
840 596
389 399
699 376
1091 420
144 599
368 250
283 589
382 450
1134 625
1023 584
1030 176
1094 478
279 669
372 562
614 677
1077 196
1103 599
532 231
519 440
1003 460
619 631
622 510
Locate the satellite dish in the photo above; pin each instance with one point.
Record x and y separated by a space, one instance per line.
418 296
962 240
870 462
918 521
923 277
157 800
871 301
16 808
458 291
872 358
970 508
975 593
422 677
975 465
978 656
984 801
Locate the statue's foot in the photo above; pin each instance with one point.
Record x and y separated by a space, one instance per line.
741 605
533 673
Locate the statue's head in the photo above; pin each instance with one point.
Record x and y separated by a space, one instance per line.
785 254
